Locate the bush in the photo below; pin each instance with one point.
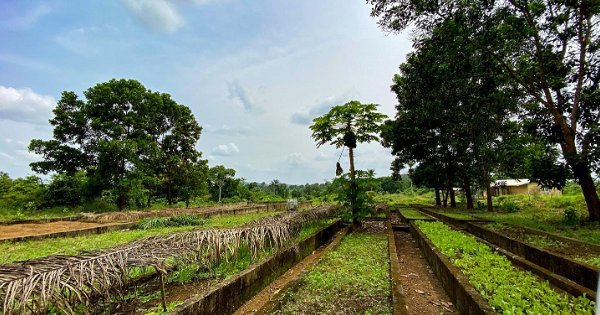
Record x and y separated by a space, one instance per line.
570 216
100 206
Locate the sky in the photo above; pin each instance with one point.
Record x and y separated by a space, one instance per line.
255 73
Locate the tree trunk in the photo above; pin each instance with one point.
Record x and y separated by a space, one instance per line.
582 173
445 198
438 202
487 182
468 193
353 186
452 198
220 187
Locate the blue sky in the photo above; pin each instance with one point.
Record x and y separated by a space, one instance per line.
254 73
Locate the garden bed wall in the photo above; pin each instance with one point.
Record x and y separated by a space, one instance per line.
233 293
459 223
582 274
466 299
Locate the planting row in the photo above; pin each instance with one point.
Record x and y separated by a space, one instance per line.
68 282
352 279
506 288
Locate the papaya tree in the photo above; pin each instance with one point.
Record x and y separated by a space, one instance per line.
345 126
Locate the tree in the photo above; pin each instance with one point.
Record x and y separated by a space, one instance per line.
550 49
346 125
220 177
123 136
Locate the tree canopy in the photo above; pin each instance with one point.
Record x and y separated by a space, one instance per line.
129 141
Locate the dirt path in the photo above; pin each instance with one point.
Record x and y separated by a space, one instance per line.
422 290
32 229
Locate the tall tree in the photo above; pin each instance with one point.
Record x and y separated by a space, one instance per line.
346 125
220 177
550 49
120 135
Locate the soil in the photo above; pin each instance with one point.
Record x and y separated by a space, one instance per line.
422 291
31 229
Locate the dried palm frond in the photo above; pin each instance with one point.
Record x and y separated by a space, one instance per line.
67 281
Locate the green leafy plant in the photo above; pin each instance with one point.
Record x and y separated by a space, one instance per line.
506 288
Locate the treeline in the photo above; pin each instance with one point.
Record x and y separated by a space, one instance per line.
497 89
32 193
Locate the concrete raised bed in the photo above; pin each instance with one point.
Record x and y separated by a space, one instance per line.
466 299
460 223
398 300
578 272
234 292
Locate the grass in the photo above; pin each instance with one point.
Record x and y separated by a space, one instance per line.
507 289
352 279
406 199
413 214
18 251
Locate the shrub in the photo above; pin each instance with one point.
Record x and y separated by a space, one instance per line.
570 216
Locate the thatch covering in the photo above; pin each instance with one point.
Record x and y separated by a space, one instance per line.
67 281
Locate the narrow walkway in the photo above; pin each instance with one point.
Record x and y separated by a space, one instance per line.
423 292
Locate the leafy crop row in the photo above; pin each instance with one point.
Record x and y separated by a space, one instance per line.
507 289
413 214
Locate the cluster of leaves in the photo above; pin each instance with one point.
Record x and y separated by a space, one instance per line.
180 220
506 288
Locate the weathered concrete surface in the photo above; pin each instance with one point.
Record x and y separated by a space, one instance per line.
398 300
466 299
233 293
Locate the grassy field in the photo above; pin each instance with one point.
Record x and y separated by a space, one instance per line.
72 245
352 279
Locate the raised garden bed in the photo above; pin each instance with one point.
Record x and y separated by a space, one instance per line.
348 280
504 287
234 292
572 248
458 221
410 214
578 272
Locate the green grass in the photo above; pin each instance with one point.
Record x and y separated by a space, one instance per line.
19 251
312 227
507 289
352 279
406 199
413 214
457 215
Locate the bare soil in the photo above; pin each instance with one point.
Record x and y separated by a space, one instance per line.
31 229
422 290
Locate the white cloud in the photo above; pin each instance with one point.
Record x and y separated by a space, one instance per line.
23 20
240 93
26 155
227 130
295 159
158 15
6 156
228 149
306 118
24 105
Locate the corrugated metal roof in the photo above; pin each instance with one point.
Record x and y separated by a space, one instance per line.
510 182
